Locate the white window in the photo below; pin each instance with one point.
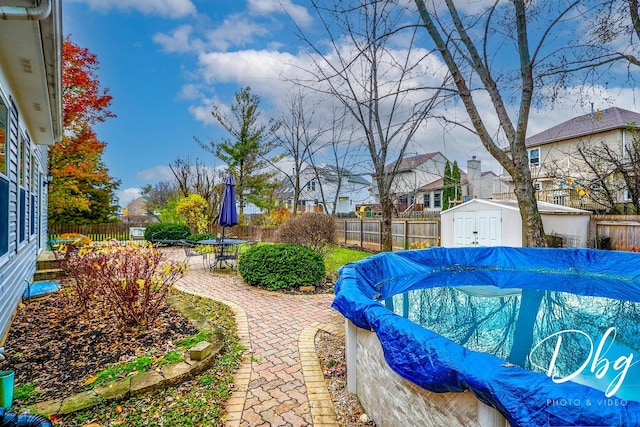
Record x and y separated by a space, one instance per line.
534 157
311 186
537 186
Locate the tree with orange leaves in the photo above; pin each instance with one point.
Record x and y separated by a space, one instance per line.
82 191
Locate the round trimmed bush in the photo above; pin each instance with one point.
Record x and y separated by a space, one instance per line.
281 266
164 231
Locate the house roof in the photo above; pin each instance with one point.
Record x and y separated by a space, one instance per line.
599 121
326 172
543 207
410 163
438 183
330 171
31 56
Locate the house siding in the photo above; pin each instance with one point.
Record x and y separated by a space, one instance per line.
28 213
563 156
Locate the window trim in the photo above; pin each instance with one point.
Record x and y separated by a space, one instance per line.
529 152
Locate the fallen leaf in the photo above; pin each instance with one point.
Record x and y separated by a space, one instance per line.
91 380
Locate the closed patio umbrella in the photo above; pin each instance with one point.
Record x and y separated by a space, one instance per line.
228 212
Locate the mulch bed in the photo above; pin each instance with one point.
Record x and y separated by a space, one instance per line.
56 345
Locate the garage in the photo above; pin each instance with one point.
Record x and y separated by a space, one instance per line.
481 222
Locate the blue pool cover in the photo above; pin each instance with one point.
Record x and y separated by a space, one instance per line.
524 397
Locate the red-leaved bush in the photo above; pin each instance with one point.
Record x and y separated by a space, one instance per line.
133 281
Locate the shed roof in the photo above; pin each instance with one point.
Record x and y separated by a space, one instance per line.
543 207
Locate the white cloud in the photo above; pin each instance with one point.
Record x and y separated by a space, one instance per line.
165 8
178 41
128 195
202 112
263 70
235 30
299 14
190 91
155 174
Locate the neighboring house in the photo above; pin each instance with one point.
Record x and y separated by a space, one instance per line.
137 207
474 184
138 211
30 121
413 173
560 173
419 182
326 187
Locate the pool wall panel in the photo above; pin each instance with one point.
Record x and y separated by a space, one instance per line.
392 401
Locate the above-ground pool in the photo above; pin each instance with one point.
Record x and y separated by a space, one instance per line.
548 337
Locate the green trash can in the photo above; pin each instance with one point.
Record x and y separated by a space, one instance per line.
6 389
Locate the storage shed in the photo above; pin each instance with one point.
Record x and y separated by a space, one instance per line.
481 222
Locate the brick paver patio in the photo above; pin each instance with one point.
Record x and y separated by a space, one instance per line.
280 382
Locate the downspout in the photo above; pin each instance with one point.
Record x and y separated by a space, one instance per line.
32 13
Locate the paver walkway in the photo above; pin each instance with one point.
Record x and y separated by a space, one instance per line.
280 382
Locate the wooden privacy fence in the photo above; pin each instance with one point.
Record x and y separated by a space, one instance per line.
97 232
121 231
367 233
617 232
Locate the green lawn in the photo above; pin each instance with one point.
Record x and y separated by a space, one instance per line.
339 256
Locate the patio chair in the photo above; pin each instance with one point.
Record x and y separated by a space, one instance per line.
190 251
227 254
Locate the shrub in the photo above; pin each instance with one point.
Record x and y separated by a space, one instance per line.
73 242
281 266
133 281
164 231
421 244
193 209
311 230
275 217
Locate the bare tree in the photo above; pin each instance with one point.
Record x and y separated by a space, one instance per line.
375 73
193 177
616 172
159 194
616 28
299 138
470 45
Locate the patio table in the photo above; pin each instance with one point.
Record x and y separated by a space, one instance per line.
224 251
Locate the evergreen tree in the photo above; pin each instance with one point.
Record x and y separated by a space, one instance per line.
456 182
446 186
245 152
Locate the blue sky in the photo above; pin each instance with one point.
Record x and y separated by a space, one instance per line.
166 62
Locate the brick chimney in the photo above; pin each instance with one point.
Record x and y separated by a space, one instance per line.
474 178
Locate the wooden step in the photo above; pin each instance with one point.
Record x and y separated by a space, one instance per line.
48 274
47 261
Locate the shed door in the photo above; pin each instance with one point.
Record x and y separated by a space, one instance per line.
481 228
